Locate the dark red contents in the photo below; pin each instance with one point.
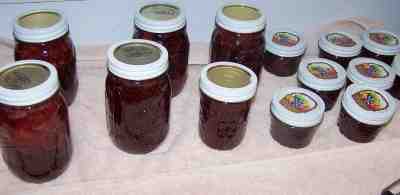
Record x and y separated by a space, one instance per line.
281 66
222 126
344 61
395 90
246 49
355 130
329 97
36 139
369 54
138 112
290 136
59 52
177 44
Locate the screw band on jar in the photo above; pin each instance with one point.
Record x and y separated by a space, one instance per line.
240 18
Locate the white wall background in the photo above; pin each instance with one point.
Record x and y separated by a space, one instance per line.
106 21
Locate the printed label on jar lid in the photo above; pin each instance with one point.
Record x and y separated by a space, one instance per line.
298 103
322 70
137 53
285 39
340 39
161 12
372 70
384 38
24 76
370 100
241 12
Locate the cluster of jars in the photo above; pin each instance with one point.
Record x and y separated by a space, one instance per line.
146 72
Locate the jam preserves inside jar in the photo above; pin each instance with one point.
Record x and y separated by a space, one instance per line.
44 35
138 95
166 24
381 45
239 36
284 51
34 125
395 90
226 93
365 111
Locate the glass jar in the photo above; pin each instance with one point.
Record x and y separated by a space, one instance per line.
44 35
239 36
324 77
225 87
365 111
166 24
340 47
138 95
284 50
395 90
381 45
296 114
34 126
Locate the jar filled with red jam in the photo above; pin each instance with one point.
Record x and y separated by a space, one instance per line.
138 95
296 114
166 24
284 50
381 45
44 35
324 77
395 90
370 72
34 127
226 94
340 47
239 36
365 111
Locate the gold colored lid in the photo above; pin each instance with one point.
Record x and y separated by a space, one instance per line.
242 12
228 76
37 20
137 53
160 12
24 76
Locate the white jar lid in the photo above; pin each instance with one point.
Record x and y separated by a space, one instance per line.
298 107
321 74
369 105
381 42
371 72
396 64
240 18
285 43
137 59
160 18
39 26
228 82
340 43
27 82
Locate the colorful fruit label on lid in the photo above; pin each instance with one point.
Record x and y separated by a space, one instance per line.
285 39
322 70
384 39
370 100
340 39
160 12
372 70
298 103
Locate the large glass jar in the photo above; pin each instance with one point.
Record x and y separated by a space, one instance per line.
138 95
166 24
34 126
239 36
395 90
44 35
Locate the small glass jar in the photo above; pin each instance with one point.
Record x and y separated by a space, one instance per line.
166 24
370 72
239 36
365 111
138 95
34 126
226 93
340 47
395 90
284 50
324 77
296 114
381 45
44 35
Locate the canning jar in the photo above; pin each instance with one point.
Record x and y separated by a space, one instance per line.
324 77
239 36
138 95
166 24
365 111
380 44
284 51
340 47
296 114
44 35
226 93
34 126
395 90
